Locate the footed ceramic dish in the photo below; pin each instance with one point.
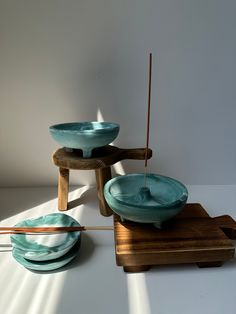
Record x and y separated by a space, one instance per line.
84 135
45 247
160 200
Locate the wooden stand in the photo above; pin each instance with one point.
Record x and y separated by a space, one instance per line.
191 237
101 161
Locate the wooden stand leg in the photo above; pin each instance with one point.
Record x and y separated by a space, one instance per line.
63 188
102 176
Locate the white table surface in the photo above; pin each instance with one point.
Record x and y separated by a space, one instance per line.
92 283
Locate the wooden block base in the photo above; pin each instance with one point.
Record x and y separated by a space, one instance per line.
191 237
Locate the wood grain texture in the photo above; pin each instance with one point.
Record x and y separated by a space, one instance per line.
191 237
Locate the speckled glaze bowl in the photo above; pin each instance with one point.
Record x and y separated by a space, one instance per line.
45 247
84 135
161 199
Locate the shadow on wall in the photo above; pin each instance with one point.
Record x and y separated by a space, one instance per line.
123 167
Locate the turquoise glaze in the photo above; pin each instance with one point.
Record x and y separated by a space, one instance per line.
40 247
160 200
84 135
47 265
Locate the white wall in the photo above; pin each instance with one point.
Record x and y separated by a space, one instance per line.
65 60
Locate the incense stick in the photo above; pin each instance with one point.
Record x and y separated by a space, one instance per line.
38 230
148 116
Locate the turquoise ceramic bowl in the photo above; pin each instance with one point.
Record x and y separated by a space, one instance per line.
161 199
84 135
45 247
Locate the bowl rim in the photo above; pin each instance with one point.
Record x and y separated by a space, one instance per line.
183 197
57 127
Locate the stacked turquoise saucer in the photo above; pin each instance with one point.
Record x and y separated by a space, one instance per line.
46 251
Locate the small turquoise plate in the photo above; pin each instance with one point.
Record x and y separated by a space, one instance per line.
40 247
47 265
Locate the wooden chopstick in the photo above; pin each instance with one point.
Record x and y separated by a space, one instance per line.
13 230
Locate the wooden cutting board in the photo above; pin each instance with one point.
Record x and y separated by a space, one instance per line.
191 237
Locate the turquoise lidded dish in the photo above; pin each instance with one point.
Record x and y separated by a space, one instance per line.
84 135
45 247
160 200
